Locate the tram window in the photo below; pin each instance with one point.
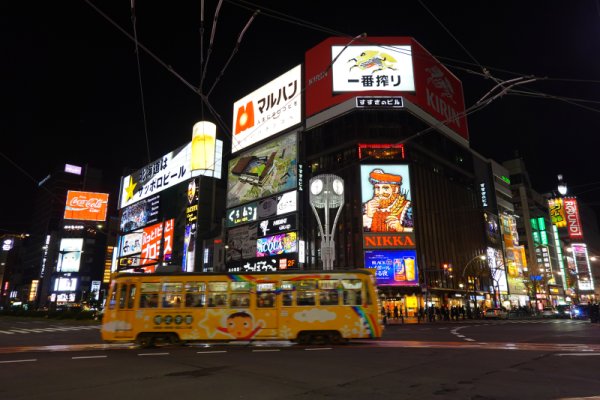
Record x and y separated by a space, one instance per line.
112 301
306 292
217 294
240 300
240 286
122 296
328 294
195 295
171 294
149 300
265 300
217 299
131 299
352 291
287 293
265 294
149 294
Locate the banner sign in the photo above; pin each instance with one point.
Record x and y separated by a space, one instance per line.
573 221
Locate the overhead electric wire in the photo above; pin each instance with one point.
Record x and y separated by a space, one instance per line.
267 12
157 59
139 69
237 45
210 43
201 54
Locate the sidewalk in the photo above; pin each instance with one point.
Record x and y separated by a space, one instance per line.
414 320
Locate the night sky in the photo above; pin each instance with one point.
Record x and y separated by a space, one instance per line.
71 85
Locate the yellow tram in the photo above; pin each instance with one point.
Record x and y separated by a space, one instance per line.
301 306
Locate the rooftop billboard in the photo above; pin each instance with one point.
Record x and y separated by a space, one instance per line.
338 69
268 110
169 170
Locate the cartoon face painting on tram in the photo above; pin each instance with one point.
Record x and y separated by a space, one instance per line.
299 306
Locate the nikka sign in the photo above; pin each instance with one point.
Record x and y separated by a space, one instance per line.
573 220
389 240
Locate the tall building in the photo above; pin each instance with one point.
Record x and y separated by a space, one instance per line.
384 126
63 256
543 274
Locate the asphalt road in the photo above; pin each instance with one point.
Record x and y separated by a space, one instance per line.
554 359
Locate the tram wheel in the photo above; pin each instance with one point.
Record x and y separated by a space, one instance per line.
145 341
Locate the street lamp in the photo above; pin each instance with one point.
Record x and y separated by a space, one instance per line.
480 257
327 191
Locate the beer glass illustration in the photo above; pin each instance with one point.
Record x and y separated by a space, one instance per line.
399 272
203 145
409 268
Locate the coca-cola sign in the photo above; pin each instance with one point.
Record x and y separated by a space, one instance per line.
86 206
573 220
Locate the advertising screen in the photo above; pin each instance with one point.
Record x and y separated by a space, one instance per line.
393 267
277 244
386 198
131 243
86 206
495 261
263 171
69 258
140 214
557 212
271 109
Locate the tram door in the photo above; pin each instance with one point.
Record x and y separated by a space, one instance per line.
266 309
126 293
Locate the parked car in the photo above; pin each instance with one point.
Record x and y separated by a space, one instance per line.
495 313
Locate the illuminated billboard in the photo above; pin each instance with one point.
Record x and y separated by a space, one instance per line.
386 198
393 267
265 264
284 243
495 261
263 171
241 215
557 212
337 70
572 215
65 284
268 110
86 206
585 280
381 151
140 214
241 242
169 170
388 68
142 248
154 237
277 225
69 259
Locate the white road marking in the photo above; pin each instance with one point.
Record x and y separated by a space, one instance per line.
83 357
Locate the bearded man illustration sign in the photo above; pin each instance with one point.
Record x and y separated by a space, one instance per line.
389 209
